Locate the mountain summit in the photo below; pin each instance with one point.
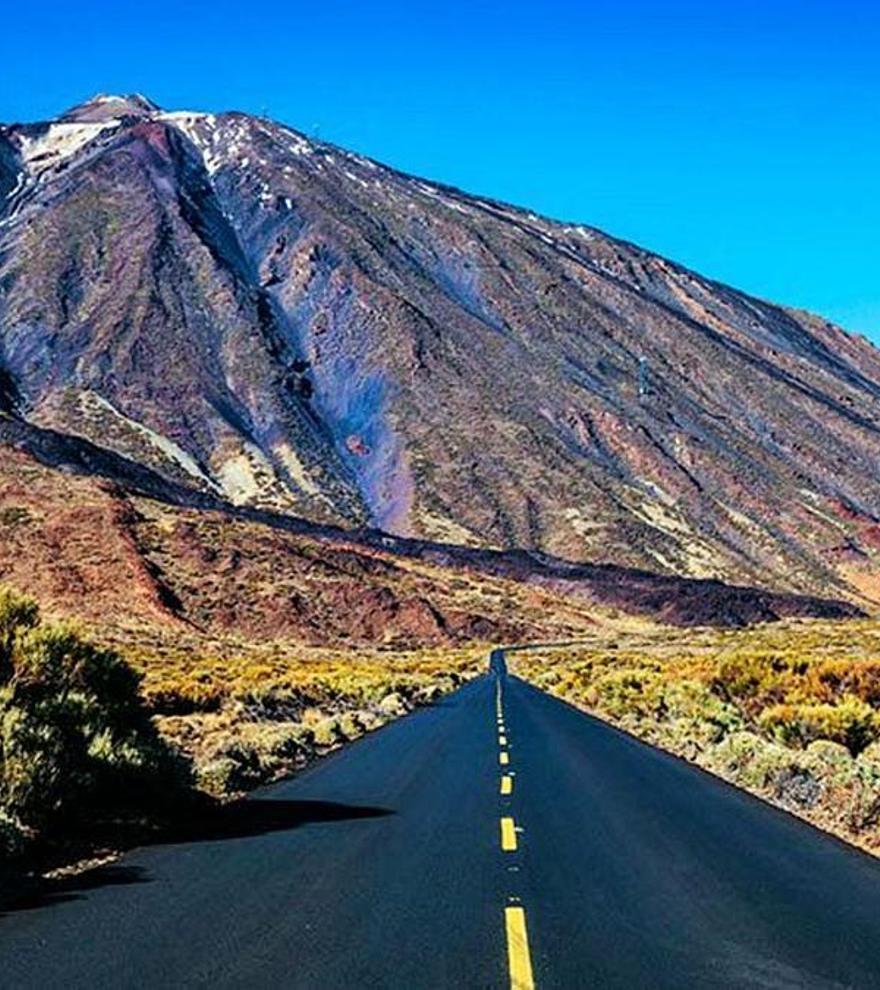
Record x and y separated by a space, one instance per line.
284 324
106 107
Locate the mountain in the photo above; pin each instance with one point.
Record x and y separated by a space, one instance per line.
144 559
134 565
278 324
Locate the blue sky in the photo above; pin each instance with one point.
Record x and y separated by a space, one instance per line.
741 139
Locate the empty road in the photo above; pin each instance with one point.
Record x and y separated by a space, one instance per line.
497 839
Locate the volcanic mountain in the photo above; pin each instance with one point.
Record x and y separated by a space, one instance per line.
277 324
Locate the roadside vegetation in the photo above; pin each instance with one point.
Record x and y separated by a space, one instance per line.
119 731
105 725
789 711
75 738
249 713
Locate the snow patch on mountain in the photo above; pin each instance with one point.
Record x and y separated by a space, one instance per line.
57 143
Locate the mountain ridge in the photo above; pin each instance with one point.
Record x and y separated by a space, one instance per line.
299 328
118 549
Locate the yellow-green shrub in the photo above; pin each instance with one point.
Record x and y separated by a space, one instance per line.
73 730
851 722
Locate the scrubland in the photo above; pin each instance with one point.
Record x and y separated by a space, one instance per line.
789 711
119 731
108 723
247 713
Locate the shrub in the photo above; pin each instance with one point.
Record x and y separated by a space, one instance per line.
327 732
634 693
752 680
218 777
351 726
393 704
850 722
842 677
14 515
12 837
73 731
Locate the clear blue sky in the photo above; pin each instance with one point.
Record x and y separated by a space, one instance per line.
740 138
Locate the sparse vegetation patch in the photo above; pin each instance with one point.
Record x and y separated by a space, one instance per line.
790 711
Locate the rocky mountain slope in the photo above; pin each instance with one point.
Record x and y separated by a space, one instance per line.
108 541
108 557
277 323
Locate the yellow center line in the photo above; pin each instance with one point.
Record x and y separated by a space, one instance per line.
507 784
519 961
502 740
503 759
508 835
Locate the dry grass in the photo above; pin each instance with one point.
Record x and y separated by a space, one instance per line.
189 673
247 712
789 711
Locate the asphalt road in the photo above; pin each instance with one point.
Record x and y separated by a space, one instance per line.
400 863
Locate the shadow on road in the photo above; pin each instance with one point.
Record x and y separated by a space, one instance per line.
257 816
30 893
238 820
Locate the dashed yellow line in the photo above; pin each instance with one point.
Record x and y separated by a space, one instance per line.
519 960
508 835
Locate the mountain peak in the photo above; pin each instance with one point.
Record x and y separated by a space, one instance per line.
105 106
